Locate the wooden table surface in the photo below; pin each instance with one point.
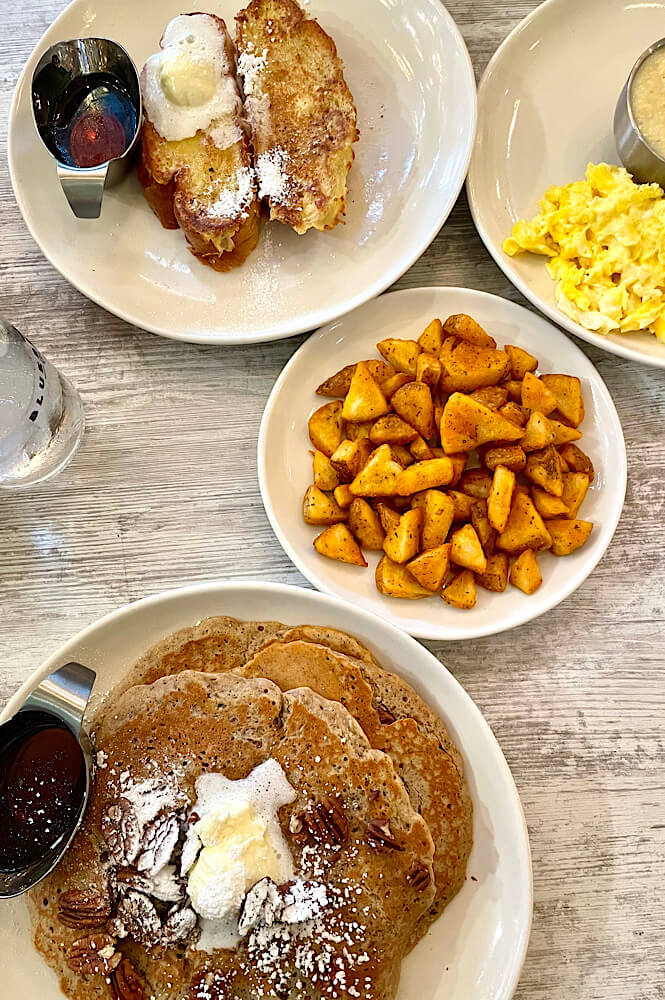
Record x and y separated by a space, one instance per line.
164 489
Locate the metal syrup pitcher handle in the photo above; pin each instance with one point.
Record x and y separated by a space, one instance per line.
65 694
84 189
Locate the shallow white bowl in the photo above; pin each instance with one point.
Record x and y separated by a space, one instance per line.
413 83
285 465
476 949
545 109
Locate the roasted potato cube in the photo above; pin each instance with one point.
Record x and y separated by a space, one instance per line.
413 403
513 411
431 567
548 506
467 367
325 476
352 432
563 463
575 487
536 395
467 424
480 521
510 455
543 469
525 528
365 524
521 361
343 496
514 389
463 326
401 354
325 427
568 535
462 505
364 400
388 517
431 338
438 512
563 433
391 429
390 385
495 577
379 476
459 461
350 458
525 573
428 369
338 384
461 593
500 499
402 455
394 580
425 476
420 450
494 396
576 460
568 392
466 550
477 483
538 433
318 508
338 543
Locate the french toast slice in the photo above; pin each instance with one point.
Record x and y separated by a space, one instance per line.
300 111
205 183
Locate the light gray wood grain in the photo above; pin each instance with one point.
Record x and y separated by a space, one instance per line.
164 493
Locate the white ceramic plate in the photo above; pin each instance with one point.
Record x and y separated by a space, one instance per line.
285 466
409 71
476 949
545 109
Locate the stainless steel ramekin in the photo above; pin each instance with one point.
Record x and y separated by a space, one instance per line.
638 157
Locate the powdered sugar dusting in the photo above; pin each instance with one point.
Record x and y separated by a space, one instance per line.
225 133
231 201
250 67
274 180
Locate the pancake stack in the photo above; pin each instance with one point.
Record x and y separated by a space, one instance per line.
380 824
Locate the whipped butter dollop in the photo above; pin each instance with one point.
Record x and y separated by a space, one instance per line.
235 841
189 86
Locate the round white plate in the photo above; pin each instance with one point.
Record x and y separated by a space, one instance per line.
409 71
476 949
285 463
545 109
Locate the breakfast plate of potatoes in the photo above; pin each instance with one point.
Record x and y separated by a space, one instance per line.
444 458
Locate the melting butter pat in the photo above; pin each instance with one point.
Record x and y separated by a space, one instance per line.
185 79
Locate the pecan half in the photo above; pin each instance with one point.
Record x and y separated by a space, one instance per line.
157 842
179 924
83 909
380 836
140 918
93 955
120 830
326 821
125 984
386 717
419 878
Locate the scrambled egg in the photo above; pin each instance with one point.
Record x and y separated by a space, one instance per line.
605 237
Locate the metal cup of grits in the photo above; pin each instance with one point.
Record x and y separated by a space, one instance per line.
640 158
86 103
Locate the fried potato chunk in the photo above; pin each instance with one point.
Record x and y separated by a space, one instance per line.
466 424
576 460
401 354
338 543
338 384
403 542
380 475
428 369
413 403
538 432
425 475
364 400
461 593
525 573
466 550
343 495
521 361
318 508
465 328
536 395
511 455
476 483
543 469
547 505
350 457
575 487
568 392
525 528
325 427
500 499
431 338
325 476
438 512
467 367
430 568
391 429
568 535
365 524
495 577
394 580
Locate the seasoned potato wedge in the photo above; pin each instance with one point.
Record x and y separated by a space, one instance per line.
325 427
466 424
477 483
512 456
431 338
350 457
495 577
467 367
325 476
462 505
394 580
513 411
338 384
364 400
525 573
536 395
338 543
420 450
463 326
438 513
403 542
388 516
461 593
365 524
576 460
543 469
390 385
391 429
481 523
494 396
402 455
355 431
466 550
425 475
547 505
568 392
568 535
521 361
401 354
563 433
500 499
538 433
318 508
525 528
428 369
575 487
431 567
413 403
343 495
380 475
459 460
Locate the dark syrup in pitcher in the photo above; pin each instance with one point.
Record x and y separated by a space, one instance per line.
93 121
42 789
